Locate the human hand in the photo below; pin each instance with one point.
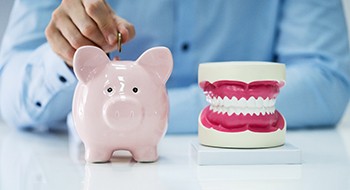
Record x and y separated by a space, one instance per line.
76 23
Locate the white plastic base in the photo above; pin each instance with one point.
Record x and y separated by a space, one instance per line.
204 155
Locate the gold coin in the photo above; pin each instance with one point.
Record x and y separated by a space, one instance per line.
120 41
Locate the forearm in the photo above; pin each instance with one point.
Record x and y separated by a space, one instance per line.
314 96
313 43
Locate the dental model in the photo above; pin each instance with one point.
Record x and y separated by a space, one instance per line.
242 98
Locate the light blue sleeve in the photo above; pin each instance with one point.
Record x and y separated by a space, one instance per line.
313 43
36 85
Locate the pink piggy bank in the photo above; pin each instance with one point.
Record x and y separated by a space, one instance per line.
121 105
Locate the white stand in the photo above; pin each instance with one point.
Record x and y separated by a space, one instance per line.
204 155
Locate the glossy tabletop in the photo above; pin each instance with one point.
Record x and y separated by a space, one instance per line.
32 160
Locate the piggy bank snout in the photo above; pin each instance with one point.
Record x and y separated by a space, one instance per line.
123 114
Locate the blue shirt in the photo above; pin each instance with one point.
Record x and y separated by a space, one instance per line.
309 36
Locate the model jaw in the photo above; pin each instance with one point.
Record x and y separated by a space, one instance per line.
241 111
237 106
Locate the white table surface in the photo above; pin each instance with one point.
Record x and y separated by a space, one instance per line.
51 161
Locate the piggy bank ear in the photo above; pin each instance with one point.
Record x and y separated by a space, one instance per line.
159 61
88 61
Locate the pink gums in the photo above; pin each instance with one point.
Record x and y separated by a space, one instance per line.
240 123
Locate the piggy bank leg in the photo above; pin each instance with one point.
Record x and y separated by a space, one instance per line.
97 154
145 154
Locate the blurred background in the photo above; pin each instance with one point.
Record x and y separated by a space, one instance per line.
6 5
5 9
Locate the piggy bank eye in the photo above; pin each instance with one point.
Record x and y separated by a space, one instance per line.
135 90
109 90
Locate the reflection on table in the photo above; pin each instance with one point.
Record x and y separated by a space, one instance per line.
52 161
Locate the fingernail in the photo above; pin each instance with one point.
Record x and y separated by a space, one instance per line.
112 39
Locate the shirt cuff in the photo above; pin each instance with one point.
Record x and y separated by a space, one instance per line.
52 85
58 73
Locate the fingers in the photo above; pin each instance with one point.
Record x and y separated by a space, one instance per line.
76 23
59 44
85 25
101 14
108 22
72 34
125 28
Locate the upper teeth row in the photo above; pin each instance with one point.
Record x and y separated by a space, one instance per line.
244 111
242 102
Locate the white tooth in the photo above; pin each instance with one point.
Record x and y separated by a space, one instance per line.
234 101
219 110
230 111
223 110
233 110
268 111
251 102
273 102
259 102
226 101
214 101
239 111
210 107
220 101
251 112
269 103
208 99
211 100
227 110
244 112
266 102
257 112
242 103
215 109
